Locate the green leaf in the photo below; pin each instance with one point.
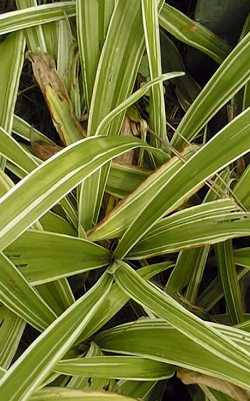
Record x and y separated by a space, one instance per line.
114 81
193 34
128 368
213 293
44 256
59 175
171 346
157 112
91 37
122 216
229 144
124 179
33 16
230 284
229 78
25 375
12 57
35 36
24 130
189 325
11 328
192 228
17 295
11 150
62 394
133 99
116 299
242 257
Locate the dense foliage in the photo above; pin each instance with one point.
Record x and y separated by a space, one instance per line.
124 184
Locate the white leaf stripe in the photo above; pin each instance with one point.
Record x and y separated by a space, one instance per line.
25 375
70 166
192 33
190 325
230 77
33 16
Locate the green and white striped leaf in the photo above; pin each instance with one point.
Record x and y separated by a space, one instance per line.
180 232
229 78
171 347
58 176
33 16
124 179
91 37
228 278
12 58
189 325
114 81
137 95
242 257
28 372
122 216
157 112
113 367
193 34
62 394
24 130
116 299
229 144
44 256
12 328
17 295
35 36
11 150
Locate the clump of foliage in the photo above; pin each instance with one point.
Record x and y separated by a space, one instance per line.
124 264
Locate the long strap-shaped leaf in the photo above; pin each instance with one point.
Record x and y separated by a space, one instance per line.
193 34
116 299
228 277
230 143
33 16
152 38
48 256
163 239
14 152
91 37
12 57
35 36
112 367
122 216
62 394
17 295
119 61
31 369
162 342
230 77
47 184
12 328
190 325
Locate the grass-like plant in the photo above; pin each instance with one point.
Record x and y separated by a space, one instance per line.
121 195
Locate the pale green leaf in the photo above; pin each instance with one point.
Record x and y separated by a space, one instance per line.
229 78
44 256
17 295
128 368
59 175
185 322
193 34
157 112
25 375
33 16
225 147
